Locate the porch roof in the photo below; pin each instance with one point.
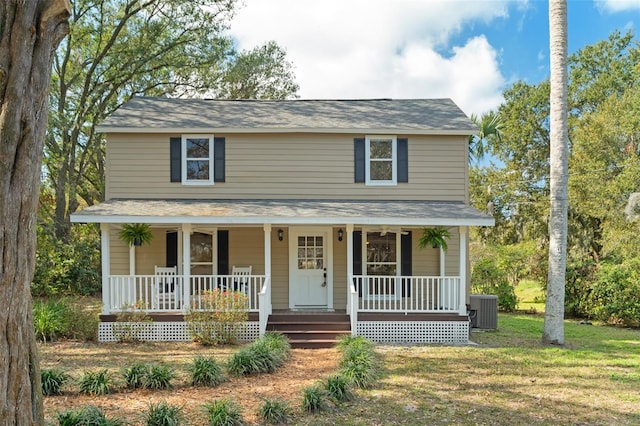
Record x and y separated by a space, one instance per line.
284 212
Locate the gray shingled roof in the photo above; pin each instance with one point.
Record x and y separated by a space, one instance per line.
418 116
403 213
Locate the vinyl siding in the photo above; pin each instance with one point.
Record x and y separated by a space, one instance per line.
295 166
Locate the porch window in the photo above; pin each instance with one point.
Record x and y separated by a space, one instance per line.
382 257
197 159
201 254
381 158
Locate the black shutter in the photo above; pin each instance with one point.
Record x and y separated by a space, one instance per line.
406 247
403 160
175 155
359 160
172 249
357 257
223 252
218 159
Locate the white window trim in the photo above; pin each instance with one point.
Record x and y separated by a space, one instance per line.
394 161
365 263
184 160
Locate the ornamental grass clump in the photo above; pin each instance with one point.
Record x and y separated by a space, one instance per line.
96 382
274 412
52 381
265 355
223 412
87 416
314 398
338 388
158 377
206 371
134 375
219 318
163 414
359 363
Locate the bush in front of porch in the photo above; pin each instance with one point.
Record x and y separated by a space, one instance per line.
221 318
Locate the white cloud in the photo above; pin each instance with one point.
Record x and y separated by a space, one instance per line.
372 49
614 6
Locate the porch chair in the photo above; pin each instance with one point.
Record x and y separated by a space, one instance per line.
167 292
240 278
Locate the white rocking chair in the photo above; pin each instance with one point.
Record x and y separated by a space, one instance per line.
240 278
167 290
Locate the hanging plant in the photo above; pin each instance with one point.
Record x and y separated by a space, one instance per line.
136 234
434 237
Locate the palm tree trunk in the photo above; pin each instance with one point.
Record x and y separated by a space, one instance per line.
30 31
554 311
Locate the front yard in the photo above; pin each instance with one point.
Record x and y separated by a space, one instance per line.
508 378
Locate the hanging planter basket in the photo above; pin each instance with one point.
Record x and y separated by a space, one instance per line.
435 237
136 234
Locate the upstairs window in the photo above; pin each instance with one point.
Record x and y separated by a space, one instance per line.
381 159
197 159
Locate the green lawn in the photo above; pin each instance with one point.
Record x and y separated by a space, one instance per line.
529 295
510 378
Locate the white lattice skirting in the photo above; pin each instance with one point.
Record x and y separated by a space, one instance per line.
170 331
449 332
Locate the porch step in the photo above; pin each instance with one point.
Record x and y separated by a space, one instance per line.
308 331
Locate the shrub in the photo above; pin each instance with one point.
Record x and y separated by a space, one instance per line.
134 375
223 316
359 364
83 317
163 414
49 318
223 413
65 317
614 295
488 278
337 388
206 372
314 398
158 377
96 382
52 381
130 323
274 412
265 355
87 416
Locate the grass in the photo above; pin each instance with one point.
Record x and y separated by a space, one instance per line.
509 378
530 296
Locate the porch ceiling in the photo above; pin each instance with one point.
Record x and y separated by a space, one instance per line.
292 212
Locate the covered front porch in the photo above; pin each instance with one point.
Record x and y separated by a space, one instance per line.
373 270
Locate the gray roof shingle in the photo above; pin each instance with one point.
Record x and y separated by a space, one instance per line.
428 116
256 212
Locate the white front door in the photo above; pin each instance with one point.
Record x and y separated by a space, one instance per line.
310 275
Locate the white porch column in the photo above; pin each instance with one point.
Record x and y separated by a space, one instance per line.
132 259
349 262
105 248
267 262
186 262
463 270
443 255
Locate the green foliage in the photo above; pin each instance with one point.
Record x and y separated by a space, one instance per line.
223 412
96 382
223 316
163 414
130 323
206 372
67 268
265 355
87 416
158 377
314 398
52 381
274 412
55 318
136 234
134 375
614 295
337 387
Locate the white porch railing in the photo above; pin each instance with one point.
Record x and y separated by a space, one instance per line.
264 305
152 293
352 307
406 294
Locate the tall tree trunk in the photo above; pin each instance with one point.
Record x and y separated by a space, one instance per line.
559 140
30 31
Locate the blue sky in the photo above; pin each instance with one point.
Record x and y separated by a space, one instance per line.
469 51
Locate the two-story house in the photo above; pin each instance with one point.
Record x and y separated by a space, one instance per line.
313 208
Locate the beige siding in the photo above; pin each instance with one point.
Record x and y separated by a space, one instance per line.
246 248
119 253
286 166
280 269
340 278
